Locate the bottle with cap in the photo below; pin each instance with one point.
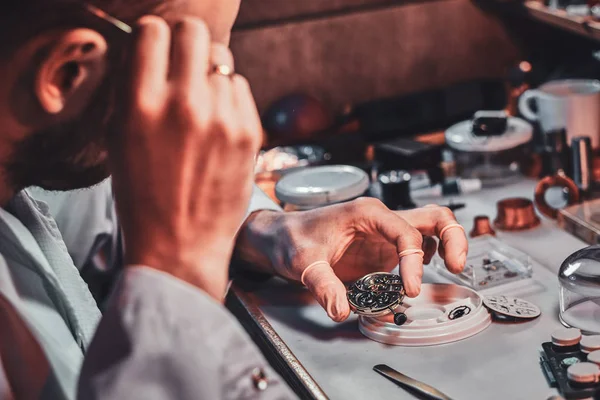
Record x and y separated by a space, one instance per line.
451 187
566 340
583 374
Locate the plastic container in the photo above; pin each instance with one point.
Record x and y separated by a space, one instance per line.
490 263
579 292
440 314
493 159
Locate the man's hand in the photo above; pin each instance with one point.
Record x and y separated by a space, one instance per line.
355 238
182 161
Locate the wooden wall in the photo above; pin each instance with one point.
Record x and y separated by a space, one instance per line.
348 51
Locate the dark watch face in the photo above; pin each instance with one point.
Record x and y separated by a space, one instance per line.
376 294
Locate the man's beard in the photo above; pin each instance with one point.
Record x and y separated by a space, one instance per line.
64 157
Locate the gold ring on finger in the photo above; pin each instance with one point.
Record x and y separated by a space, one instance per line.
223 70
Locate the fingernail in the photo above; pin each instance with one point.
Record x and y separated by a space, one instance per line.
412 287
416 284
340 310
462 259
332 307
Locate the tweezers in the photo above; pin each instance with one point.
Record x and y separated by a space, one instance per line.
412 385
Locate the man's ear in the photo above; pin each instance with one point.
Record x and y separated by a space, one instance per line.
71 72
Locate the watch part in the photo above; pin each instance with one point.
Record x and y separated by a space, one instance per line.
376 294
512 307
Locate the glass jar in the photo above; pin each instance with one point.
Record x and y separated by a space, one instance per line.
579 296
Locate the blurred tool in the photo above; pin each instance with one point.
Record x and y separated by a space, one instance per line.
296 117
516 214
581 164
395 189
455 206
410 384
453 187
482 226
409 155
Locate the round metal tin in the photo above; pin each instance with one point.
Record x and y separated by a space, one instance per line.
319 186
512 307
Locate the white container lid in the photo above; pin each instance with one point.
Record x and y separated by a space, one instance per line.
590 343
430 318
319 186
460 137
565 337
584 372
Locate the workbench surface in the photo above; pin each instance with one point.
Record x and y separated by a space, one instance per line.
502 362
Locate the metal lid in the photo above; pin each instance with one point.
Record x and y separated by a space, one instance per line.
590 343
584 372
565 337
460 137
512 307
318 186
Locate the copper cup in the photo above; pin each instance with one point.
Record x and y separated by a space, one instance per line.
516 214
482 226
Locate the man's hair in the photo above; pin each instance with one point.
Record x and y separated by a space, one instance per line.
23 19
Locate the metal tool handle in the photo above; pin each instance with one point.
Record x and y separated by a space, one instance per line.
410 383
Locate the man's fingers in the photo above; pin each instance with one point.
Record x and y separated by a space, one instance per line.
329 291
150 64
222 86
430 246
246 108
190 53
372 217
435 220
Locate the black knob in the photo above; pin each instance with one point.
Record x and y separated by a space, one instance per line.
400 319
